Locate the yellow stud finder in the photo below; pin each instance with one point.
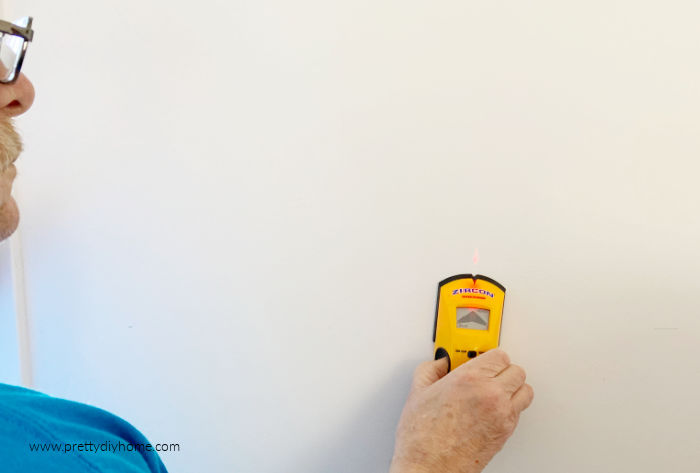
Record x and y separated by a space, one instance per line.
468 315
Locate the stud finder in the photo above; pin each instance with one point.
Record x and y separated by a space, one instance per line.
468 315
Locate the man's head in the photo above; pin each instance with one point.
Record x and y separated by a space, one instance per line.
16 97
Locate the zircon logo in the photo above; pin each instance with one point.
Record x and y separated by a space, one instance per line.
472 291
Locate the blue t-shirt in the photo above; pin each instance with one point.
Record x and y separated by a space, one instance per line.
40 433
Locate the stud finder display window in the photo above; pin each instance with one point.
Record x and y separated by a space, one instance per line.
473 318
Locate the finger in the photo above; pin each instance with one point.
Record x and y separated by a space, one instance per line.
489 364
523 397
428 372
511 378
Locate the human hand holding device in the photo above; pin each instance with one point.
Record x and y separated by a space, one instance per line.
457 422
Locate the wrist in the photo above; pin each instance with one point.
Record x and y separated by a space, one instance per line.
403 465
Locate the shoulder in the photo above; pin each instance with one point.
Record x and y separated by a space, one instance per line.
62 435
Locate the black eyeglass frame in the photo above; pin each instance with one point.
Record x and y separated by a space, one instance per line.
26 33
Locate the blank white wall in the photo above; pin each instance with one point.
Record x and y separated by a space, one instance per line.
235 215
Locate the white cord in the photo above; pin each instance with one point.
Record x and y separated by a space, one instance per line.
23 332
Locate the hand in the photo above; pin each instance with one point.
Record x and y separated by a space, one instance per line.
457 423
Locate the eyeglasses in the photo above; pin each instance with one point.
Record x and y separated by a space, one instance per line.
14 38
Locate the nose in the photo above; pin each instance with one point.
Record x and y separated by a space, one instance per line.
17 98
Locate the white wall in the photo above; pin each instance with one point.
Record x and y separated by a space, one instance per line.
235 214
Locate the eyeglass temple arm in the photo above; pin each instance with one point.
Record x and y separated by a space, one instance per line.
26 33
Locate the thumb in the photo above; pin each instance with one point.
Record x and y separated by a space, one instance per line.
428 372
